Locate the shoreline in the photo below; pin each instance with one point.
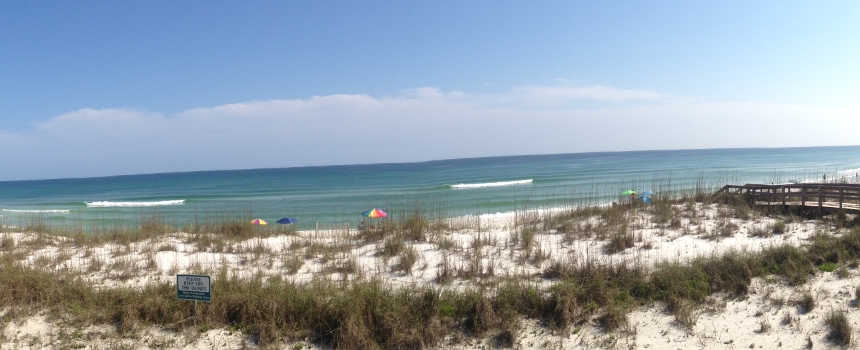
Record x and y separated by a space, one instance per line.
271 197
535 248
693 238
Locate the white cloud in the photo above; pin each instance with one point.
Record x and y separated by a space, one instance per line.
419 124
598 93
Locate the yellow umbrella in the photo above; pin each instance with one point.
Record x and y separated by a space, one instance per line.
259 222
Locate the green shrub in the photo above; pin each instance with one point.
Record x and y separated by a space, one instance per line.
827 267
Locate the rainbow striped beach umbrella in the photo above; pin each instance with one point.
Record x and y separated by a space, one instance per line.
260 222
374 213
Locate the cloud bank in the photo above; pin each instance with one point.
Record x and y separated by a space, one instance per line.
415 125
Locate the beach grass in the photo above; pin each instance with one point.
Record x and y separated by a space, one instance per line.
366 312
840 329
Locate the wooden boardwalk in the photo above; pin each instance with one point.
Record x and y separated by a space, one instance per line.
824 196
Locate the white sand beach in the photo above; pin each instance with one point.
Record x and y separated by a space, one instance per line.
466 257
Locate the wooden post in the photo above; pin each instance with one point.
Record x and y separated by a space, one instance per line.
841 196
317 228
820 199
803 196
783 196
769 193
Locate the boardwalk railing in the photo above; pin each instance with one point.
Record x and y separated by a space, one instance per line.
820 195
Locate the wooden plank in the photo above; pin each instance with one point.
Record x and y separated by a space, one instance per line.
827 197
835 196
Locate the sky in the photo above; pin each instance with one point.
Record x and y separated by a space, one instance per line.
95 88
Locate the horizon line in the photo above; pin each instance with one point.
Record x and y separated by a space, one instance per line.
429 161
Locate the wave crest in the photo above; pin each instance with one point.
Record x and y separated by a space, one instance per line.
105 204
850 176
36 211
493 184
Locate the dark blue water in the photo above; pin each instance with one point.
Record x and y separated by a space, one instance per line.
336 194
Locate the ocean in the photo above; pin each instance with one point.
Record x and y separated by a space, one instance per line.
446 188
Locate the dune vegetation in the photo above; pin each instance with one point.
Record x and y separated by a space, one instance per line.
419 281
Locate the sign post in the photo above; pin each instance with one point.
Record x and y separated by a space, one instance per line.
194 287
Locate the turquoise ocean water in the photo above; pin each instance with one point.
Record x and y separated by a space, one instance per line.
338 194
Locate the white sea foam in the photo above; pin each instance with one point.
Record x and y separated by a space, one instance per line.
36 211
105 204
851 176
493 184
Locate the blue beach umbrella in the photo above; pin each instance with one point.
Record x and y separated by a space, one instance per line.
287 221
648 193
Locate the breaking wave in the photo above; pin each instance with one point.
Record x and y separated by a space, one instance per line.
493 184
36 211
134 204
849 176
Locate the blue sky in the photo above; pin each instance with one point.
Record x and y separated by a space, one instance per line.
106 88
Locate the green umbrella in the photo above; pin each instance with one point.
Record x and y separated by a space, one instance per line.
628 192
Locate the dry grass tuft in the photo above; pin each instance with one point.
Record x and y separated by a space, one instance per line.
408 258
619 242
778 227
839 327
807 302
354 312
